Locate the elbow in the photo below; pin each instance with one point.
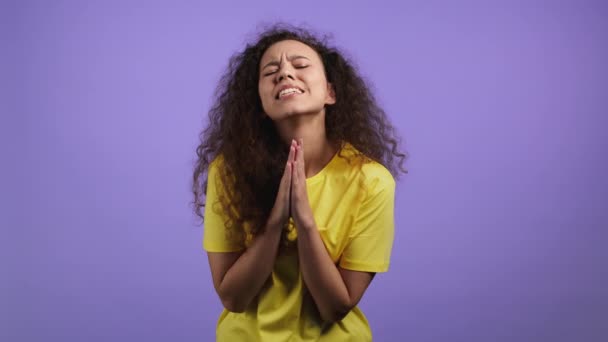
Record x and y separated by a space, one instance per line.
233 303
337 313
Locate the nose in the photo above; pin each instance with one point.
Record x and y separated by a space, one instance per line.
284 73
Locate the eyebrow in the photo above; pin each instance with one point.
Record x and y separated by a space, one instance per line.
275 62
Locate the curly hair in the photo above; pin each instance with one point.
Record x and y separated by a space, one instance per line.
253 155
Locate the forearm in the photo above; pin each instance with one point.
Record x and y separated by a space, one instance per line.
322 277
245 278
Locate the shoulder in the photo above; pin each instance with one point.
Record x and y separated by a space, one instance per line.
217 176
217 168
379 183
216 164
375 175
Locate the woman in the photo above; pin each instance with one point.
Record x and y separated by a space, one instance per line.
299 196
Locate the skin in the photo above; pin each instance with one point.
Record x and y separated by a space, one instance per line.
238 277
302 116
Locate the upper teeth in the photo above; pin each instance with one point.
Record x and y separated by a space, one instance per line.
289 91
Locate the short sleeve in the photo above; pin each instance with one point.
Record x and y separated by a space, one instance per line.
215 238
371 239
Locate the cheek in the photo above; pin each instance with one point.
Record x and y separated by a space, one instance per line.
265 87
318 82
265 95
262 92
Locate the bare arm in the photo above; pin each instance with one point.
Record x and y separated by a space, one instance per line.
239 276
335 290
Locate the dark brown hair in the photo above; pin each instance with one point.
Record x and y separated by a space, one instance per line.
245 137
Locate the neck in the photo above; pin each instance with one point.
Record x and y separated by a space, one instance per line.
318 150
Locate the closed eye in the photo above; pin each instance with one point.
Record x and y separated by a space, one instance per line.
297 67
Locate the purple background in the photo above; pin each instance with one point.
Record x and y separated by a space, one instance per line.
501 223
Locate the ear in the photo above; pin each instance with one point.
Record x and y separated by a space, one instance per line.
331 94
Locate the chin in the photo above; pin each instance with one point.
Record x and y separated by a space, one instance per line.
298 110
293 111
288 113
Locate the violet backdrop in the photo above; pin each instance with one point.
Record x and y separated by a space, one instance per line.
501 224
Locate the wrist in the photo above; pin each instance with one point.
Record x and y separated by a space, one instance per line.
275 224
306 226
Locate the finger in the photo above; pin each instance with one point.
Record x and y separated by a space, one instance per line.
288 166
292 152
290 196
301 150
294 144
300 160
295 175
288 175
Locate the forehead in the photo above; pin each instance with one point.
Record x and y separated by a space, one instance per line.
288 48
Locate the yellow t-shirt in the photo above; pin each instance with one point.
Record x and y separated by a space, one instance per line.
353 205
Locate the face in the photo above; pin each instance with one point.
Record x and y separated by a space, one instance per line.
292 81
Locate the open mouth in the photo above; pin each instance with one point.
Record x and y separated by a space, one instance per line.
289 92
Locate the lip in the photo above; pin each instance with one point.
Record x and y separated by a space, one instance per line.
286 86
286 97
